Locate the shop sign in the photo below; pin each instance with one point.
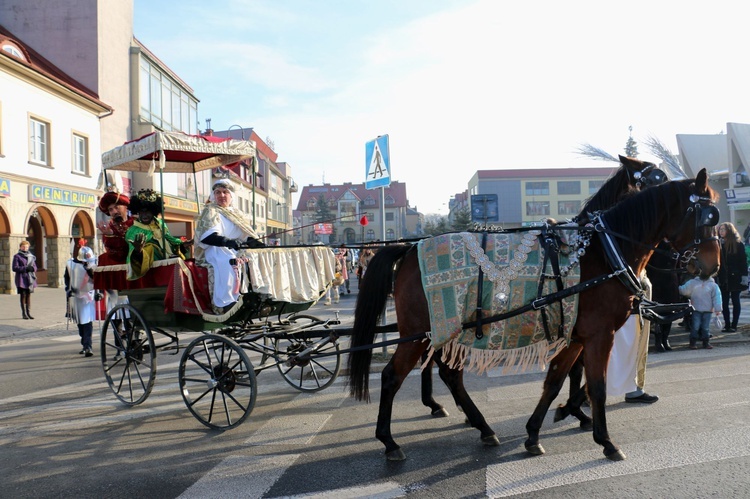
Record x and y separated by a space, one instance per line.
4 188
180 204
55 195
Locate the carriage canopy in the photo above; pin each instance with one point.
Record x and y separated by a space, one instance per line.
176 152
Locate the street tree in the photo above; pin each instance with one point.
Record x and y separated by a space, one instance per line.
462 220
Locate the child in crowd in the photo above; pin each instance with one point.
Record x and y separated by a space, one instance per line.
705 297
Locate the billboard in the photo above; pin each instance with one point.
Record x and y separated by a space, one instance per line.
323 228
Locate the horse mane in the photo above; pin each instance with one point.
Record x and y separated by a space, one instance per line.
639 213
616 187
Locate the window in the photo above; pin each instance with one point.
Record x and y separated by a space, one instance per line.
537 188
38 141
390 234
163 102
389 217
370 235
594 186
13 50
536 208
569 187
568 207
80 154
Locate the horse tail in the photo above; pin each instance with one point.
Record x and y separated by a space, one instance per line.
375 287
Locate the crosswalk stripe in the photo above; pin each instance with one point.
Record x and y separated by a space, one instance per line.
240 476
386 490
530 475
288 430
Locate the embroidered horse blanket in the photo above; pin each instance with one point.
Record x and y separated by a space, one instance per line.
511 264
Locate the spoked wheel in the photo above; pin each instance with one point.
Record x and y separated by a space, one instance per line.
217 382
128 355
313 373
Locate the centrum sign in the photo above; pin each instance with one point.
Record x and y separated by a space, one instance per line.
55 195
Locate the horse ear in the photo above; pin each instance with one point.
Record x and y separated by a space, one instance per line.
623 159
701 181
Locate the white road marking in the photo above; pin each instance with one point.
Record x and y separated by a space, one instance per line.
297 430
533 474
386 490
240 476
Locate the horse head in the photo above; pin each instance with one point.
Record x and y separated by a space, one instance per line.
642 173
694 237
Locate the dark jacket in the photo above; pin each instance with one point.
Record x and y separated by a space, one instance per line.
25 271
733 268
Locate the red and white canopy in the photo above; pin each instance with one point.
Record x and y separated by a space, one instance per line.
176 152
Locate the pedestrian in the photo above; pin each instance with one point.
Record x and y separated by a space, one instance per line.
364 259
24 265
626 374
705 296
732 273
79 290
342 257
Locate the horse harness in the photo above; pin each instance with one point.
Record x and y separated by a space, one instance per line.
703 213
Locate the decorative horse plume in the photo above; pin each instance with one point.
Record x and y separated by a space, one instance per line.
594 152
661 151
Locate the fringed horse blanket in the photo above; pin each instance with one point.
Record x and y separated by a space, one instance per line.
511 265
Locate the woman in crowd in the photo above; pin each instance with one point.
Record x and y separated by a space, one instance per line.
222 229
732 273
24 265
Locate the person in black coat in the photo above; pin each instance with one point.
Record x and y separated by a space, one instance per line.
732 273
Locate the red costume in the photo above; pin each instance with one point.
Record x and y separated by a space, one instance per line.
115 246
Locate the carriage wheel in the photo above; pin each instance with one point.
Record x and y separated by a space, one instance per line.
217 382
312 374
128 355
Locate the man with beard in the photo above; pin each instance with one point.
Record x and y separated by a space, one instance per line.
115 205
115 247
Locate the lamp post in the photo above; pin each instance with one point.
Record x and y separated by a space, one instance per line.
252 165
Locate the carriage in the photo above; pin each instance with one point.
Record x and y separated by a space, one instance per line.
217 377
266 329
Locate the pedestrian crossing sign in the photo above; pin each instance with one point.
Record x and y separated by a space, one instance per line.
377 163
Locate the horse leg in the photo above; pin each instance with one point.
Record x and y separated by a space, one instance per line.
454 380
595 363
437 410
575 399
392 377
558 370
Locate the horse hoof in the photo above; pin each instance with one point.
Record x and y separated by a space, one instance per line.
617 455
440 413
587 425
395 455
491 441
560 414
535 449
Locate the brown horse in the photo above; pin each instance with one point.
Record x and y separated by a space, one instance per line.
678 211
632 176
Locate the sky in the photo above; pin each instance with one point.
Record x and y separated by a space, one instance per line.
458 85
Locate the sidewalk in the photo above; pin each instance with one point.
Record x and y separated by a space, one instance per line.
48 309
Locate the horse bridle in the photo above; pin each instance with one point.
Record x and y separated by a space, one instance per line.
705 214
648 176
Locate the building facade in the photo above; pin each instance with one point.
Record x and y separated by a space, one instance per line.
527 196
344 207
49 160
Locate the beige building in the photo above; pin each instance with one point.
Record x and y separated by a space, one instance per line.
49 160
530 195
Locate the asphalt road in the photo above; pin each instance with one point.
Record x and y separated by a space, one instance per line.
63 434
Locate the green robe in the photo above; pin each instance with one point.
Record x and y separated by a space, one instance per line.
152 249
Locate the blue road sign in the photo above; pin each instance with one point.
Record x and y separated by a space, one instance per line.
377 163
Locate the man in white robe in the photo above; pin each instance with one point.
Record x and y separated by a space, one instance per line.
223 229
